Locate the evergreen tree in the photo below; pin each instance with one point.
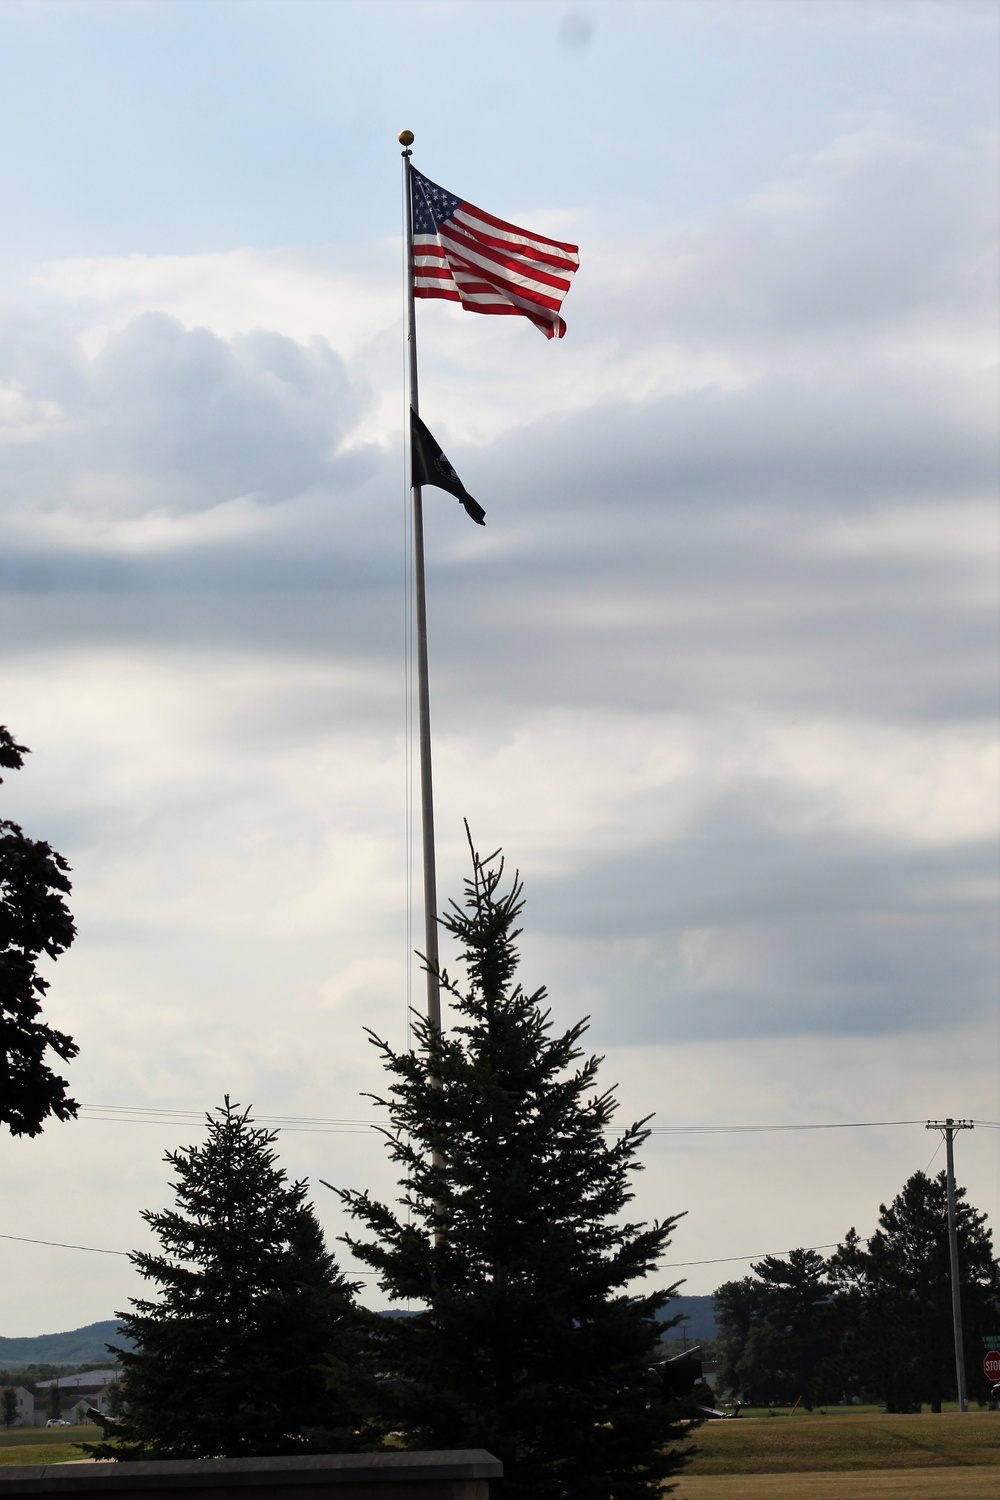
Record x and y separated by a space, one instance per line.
229 1361
795 1301
9 1406
53 1402
893 1297
737 1308
775 1330
529 1344
34 920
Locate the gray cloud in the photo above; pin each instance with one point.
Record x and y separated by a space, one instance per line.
740 927
830 444
169 419
213 418
881 226
795 543
663 554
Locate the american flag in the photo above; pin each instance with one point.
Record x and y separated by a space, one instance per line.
467 256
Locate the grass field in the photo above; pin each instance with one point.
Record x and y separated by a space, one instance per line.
782 1413
40 1453
845 1454
44 1445
838 1444
876 1484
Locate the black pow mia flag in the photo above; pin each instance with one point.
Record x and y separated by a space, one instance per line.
429 466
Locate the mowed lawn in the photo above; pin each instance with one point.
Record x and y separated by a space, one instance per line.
805 1444
44 1445
846 1456
875 1484
842 1456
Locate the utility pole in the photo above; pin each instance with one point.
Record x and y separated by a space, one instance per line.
948 1129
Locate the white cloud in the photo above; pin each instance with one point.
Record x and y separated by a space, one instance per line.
23 420
868 253
347 297
166 422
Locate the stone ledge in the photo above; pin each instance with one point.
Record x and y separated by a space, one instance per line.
454 1474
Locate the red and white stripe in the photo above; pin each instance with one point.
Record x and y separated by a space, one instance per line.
492 267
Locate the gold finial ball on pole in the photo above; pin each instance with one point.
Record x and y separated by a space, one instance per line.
406 137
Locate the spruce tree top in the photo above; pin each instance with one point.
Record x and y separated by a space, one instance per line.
510 1232
230 1357
502 1131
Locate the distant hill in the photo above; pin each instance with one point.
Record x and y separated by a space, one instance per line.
80 1346
699 1315
86 1345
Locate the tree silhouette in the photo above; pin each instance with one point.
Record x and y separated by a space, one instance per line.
229 1361
34 919
774 1330
510 1235
893 1297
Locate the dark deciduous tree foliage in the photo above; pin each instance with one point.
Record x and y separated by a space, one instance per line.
230 1360
9 1399
34 920
893 1301
529 1344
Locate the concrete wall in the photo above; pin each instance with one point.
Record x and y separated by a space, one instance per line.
458 1474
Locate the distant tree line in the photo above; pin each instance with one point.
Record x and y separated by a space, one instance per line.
874 1320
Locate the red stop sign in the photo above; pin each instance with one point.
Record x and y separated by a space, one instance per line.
991 1365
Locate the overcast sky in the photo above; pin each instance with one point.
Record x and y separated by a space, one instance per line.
720 674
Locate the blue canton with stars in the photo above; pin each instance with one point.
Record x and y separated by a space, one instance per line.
431 204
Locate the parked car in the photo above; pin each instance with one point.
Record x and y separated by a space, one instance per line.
58 1422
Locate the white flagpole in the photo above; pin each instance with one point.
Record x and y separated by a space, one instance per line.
423 689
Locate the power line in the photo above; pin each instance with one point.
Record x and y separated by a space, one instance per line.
672 1265
197 1116
94 1249
757 1129
669 1265
23 1239
333 1125
125 1114
934 1153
